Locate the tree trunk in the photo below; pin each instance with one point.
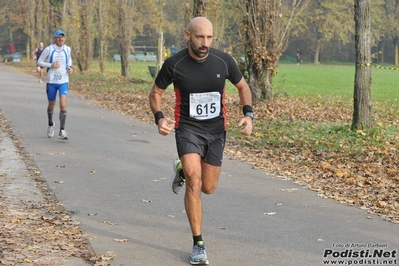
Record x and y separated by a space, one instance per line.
362 94
160 47
124 38
160 58
396 51
38 25
31 40
267 89
316 52
199 9
187 18
58 13
102 41
253 83
85 40
265 35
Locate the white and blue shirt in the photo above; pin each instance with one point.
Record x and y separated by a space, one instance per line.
54 53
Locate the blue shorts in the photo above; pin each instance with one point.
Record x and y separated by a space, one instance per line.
53 88
209 146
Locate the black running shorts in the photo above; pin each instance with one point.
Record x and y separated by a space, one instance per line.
209 146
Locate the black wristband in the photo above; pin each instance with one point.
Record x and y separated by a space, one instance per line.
158 115
246 109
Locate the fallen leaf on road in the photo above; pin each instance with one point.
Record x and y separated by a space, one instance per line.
120 240
108 256
108 222
288 189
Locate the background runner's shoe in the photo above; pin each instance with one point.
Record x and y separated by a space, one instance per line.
50 131
63 135
198 256
177 180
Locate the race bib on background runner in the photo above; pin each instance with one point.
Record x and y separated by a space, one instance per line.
56 75
204 105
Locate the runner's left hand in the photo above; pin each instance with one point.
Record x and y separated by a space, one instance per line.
247 123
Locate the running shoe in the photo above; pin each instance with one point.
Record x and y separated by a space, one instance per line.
63 135
198 256
50 131
177 180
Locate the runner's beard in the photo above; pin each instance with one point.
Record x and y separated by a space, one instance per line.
201 52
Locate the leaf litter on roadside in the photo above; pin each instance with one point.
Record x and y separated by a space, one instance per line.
39 232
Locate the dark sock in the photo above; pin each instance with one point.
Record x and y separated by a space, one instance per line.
196 239
62 119
50 117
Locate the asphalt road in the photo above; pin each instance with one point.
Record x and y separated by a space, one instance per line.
115 172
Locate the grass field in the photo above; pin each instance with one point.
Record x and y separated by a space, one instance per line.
297 81
333 81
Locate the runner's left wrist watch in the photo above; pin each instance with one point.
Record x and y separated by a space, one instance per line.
250 114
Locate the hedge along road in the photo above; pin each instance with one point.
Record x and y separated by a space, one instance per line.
115 174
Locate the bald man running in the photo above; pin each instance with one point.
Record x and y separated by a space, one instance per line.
199 74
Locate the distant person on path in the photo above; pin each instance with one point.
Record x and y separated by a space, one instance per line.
57 59
199 76
36 54
11 48
173 50
298 56
145 50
